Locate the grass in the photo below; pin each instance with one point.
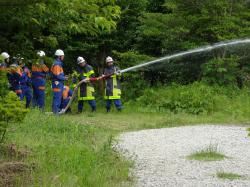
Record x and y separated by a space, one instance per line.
66 153
76 149
248 131
230 176
208 154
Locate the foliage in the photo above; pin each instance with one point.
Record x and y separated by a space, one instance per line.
95 28
194 99
176 26
197 98
54 24
134 82
12 110
3 84
125 35
221 71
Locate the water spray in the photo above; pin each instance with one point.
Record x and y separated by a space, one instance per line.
186 53
166 58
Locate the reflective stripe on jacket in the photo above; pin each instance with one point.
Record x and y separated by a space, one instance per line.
57 71
87 90
39 70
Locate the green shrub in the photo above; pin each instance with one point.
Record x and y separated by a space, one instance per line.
12 110
198 98
194 99
222 71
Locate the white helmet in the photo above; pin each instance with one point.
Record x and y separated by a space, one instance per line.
80 60
109 59
41 53
59 52
5 55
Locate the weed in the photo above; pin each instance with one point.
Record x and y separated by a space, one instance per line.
208 154
230 176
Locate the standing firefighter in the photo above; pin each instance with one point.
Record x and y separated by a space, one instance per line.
14 73
39 71
113 86
86 92
58 79
25 82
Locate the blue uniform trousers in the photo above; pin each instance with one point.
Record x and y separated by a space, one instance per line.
38 85
117 102
57 87
92 104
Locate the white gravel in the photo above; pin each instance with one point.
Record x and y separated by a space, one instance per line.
160 155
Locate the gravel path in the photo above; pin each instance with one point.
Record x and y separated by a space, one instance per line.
160 155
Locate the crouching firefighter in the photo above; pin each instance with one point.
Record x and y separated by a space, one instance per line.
66 96
86 92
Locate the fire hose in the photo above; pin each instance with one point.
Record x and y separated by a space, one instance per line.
76 90
166 58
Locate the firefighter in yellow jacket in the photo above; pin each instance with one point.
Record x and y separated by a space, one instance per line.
113 85
86 92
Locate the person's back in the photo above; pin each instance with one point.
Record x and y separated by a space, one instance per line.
14 76
25 82
39 72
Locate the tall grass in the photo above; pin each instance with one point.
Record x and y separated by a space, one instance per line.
66 153
198 98
75 150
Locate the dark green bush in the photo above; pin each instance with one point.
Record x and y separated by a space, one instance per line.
221 71
11 108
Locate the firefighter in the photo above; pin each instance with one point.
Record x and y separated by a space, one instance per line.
112 85
39 71
6 59
66 96
14 73
86 92
25 82
14 76
58 79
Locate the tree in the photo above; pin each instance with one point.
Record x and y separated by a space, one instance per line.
54 24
